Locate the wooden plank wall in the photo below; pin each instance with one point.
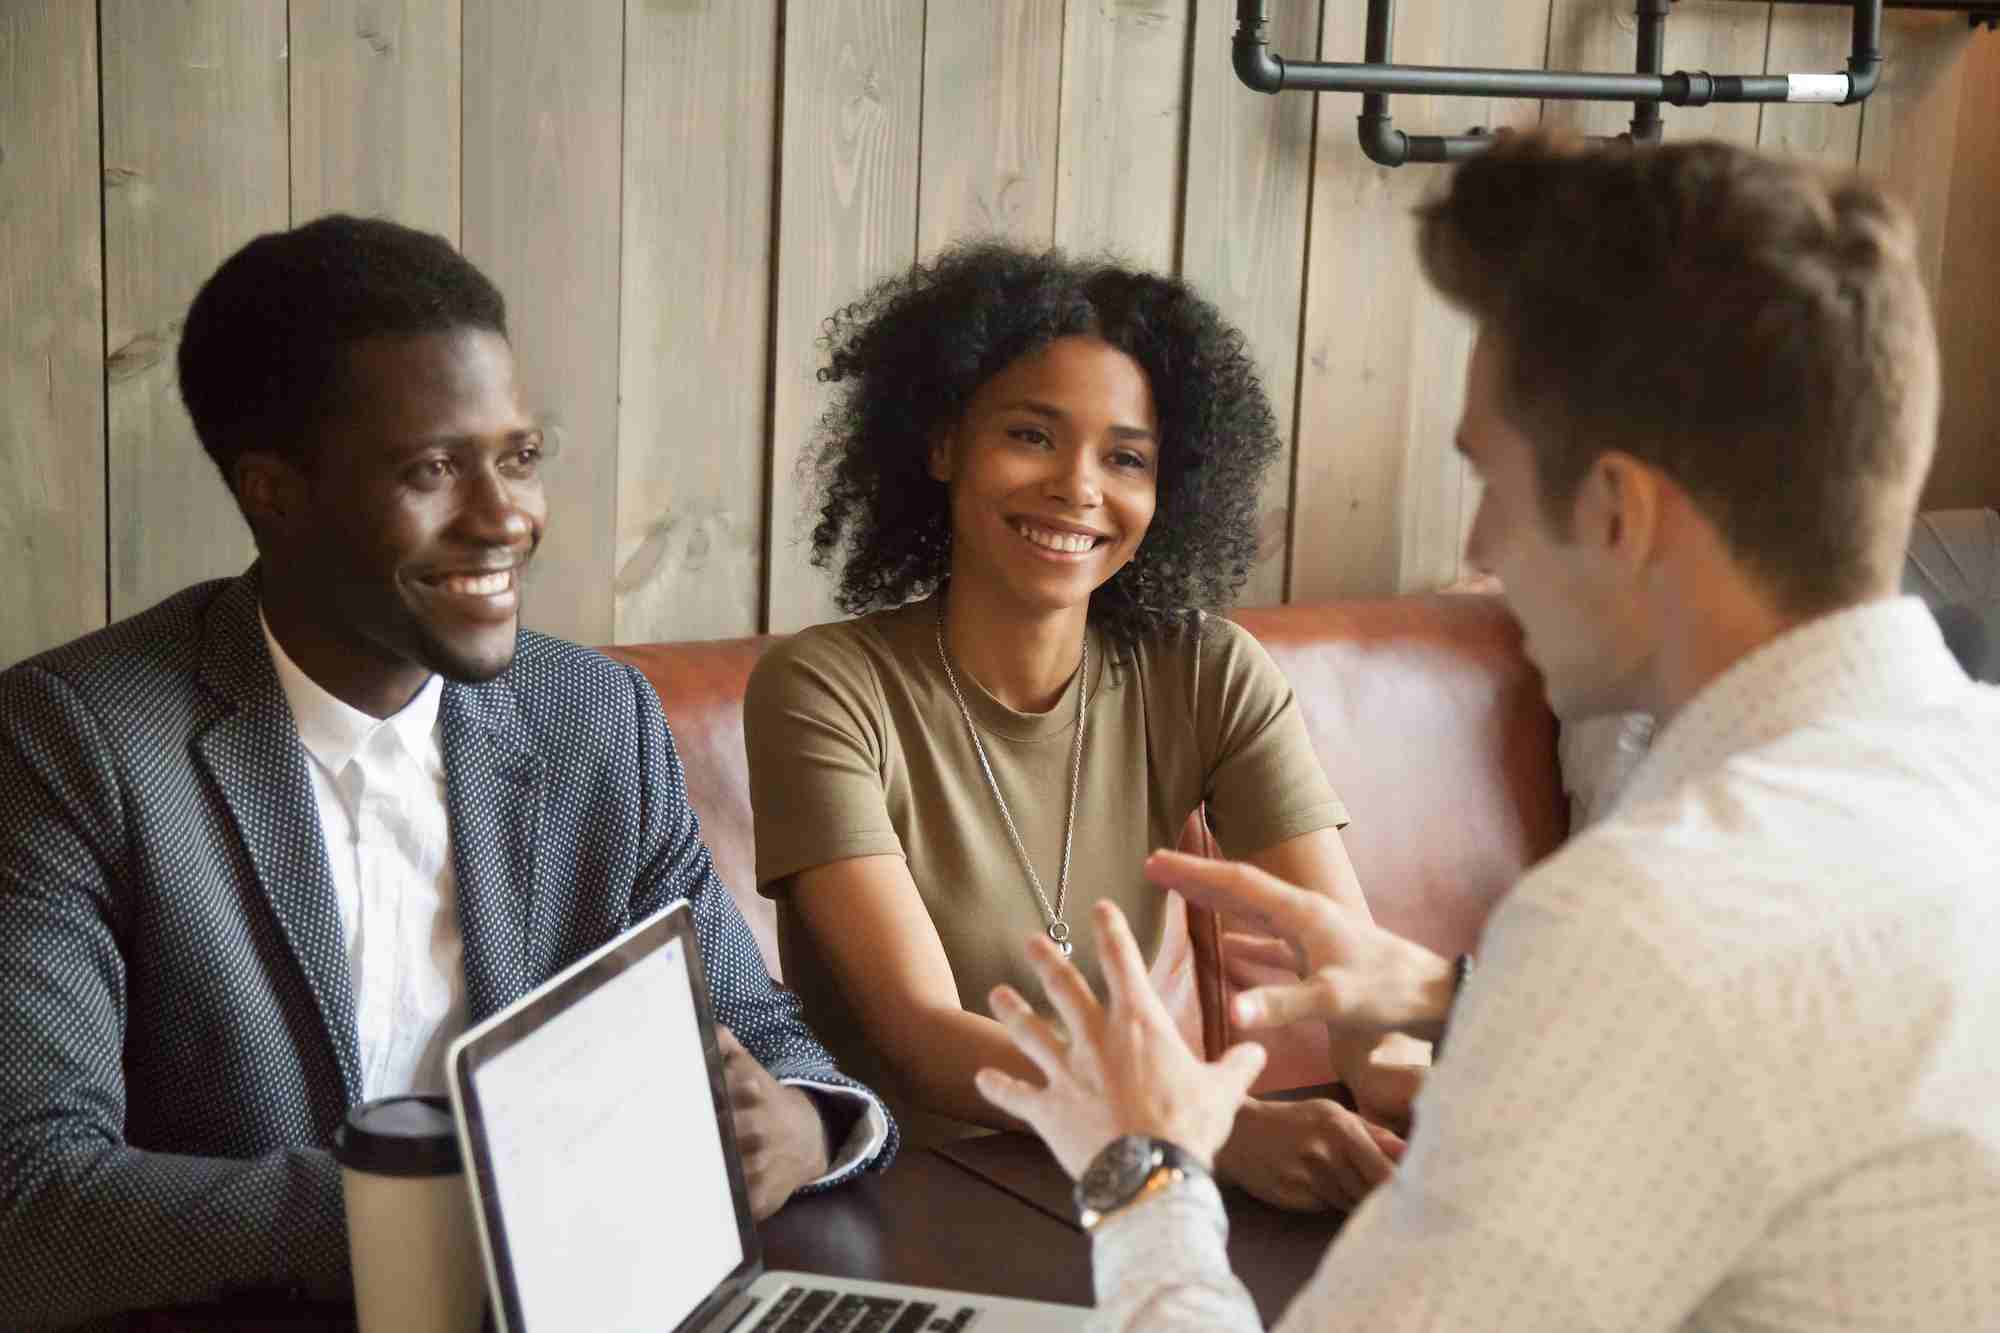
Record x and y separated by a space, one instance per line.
52 539
675 195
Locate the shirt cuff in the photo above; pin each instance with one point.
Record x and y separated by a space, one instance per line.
869 1131
1171 1243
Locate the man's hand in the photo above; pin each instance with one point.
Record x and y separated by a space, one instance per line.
1359 979
778 1129
1385 1075
1307 1155
1122 1069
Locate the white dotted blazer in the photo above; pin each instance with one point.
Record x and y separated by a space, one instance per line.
177 1037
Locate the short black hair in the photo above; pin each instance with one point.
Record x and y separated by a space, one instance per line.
261 354
912 352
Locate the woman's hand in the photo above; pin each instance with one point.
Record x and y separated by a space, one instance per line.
1308 1155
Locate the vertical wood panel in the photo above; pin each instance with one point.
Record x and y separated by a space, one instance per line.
1909 125
1379 504
542 126
847 217
992 84
1123 119
1809 39
1719 36
194 166
375 110
1967 472
700 137
1243 231
51 330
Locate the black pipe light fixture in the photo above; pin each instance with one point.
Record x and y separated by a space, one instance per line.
1377 76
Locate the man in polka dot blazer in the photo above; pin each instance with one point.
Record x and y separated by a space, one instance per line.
271 844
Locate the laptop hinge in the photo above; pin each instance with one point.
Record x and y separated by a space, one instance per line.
730 1315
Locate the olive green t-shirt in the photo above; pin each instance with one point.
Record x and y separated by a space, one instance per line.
858 748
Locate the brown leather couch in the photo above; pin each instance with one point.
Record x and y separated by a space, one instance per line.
1429 722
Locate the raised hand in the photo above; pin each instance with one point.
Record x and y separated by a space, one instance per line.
1122 1068
1361 980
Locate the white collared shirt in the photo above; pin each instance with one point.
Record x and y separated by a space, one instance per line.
1731 1059
379 784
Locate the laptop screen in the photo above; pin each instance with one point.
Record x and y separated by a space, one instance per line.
607 1190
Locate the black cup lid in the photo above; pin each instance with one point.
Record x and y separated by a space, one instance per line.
399 1136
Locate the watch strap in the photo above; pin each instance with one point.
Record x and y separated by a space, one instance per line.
1164 1166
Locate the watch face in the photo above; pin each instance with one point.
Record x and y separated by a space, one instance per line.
1116 1173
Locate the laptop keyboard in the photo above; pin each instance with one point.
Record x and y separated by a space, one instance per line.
818 1310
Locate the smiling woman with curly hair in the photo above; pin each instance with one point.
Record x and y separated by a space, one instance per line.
1037 472
912 354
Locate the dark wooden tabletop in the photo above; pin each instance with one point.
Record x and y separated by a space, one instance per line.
988 1215
925 1220
1272 1251
930 1221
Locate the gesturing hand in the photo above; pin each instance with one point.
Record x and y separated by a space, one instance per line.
1358 978
778 1129
1123 1067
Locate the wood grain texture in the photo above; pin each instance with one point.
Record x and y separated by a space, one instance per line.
1379 505
1243 232
694 380
542 125
992 87
1810 39
375 87
1967 472
1718 36
51 330
847 218
1909 125
194 167
1124 104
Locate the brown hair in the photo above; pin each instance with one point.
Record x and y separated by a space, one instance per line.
1754 328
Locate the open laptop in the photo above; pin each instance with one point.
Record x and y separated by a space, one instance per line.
605 1175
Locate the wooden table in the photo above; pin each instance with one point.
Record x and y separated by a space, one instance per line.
929 1221
989 1215
925 1220
1271 1250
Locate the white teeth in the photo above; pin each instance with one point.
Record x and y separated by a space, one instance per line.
1070 543
478 585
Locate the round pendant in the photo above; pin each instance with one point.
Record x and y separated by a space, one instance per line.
1059 932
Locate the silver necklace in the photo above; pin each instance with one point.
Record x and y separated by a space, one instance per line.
1058 928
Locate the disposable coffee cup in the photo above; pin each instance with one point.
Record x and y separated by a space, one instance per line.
410 1231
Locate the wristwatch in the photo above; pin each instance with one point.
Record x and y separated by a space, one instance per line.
1128 1169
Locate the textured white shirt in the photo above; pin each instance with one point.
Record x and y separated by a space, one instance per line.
379 783
1731 1060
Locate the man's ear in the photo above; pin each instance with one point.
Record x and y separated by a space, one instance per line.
1618 508
939 464
271 489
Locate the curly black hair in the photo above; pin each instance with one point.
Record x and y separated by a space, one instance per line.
912 352
261 356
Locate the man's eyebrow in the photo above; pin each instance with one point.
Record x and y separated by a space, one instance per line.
417 444
1049 410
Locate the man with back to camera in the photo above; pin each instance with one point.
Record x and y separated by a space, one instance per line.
272 844
1729 1057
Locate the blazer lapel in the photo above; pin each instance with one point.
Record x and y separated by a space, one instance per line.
252 754
494 789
